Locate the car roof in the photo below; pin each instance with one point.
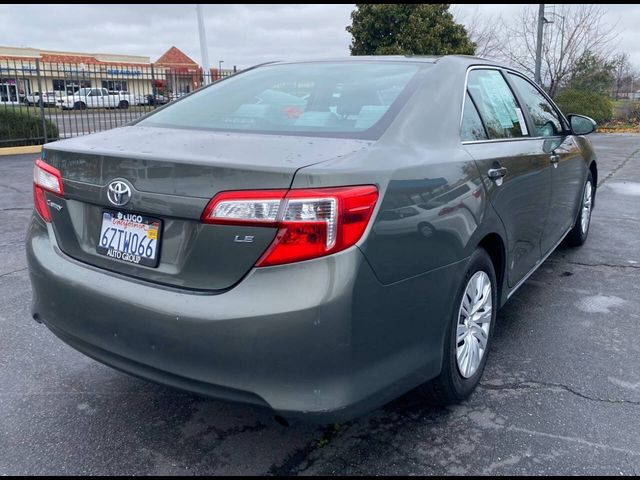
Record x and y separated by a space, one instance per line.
461 60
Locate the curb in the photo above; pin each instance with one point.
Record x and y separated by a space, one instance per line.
20 150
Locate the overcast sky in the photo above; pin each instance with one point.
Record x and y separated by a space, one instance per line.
238 34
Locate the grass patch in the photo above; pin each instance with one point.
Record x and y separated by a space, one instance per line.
619 126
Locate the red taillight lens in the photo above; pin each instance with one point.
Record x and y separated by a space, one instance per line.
45 178
312 222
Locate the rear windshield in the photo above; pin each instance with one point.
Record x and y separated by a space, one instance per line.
328 99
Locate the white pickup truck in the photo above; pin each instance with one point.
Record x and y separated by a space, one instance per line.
96 98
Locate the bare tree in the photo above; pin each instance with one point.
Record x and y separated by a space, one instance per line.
570 31
484 31
625 76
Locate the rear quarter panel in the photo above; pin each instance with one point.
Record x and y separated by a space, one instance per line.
433 208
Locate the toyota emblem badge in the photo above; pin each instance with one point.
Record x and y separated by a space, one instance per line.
119 193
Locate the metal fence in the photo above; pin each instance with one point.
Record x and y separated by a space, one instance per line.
42 102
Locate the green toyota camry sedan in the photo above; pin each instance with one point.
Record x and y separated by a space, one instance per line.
314 237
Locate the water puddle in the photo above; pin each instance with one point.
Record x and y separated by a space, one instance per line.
625 188
599 303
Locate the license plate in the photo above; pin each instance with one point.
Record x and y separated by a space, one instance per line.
130 237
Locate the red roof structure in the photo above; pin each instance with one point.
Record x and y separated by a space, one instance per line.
174 57
180 69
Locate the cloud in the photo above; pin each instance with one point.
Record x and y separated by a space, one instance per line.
238 34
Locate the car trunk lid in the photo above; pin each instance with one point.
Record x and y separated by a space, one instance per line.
172 174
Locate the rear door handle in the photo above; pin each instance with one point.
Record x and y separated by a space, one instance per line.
497 173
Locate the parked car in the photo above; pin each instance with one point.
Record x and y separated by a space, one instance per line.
273 252
122 99
151 99
449 211
176 95
48 98
95 98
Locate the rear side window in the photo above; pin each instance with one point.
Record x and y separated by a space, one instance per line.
322 98
546 121
472 128
496 104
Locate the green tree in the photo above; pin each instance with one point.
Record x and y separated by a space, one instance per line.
407 29
585 102
593 73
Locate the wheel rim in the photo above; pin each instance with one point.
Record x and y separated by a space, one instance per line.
586 207
426 231
474 323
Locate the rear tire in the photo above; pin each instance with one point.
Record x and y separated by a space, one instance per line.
580 231
123 104
458 379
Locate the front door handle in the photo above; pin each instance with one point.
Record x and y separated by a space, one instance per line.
554 159
497 173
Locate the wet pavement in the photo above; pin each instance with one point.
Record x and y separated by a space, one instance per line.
560 394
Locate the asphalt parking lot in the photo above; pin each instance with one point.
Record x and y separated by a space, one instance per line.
71 123
560 395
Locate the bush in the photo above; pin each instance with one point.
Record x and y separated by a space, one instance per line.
634 116
584 102
19 128
626 110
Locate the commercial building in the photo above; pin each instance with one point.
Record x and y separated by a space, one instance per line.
24 71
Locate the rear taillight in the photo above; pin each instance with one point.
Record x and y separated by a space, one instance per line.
45 178
311 222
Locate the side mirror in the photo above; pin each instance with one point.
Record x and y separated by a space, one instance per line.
581 125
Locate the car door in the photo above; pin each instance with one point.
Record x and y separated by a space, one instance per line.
95 98
110 100
560 148
495 133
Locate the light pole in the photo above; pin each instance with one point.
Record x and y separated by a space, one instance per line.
204 52
542 21
561 59
539 44
561 30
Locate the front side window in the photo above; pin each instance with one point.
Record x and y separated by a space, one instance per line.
322 98
546 121
472 128
496 104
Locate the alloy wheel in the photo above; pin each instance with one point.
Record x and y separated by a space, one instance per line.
474 324
586 207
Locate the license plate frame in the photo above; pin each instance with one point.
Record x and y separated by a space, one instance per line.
119 244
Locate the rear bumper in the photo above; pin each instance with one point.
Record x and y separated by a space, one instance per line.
321 339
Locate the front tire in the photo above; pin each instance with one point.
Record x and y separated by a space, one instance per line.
580 231
79 106
123 105
469 334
